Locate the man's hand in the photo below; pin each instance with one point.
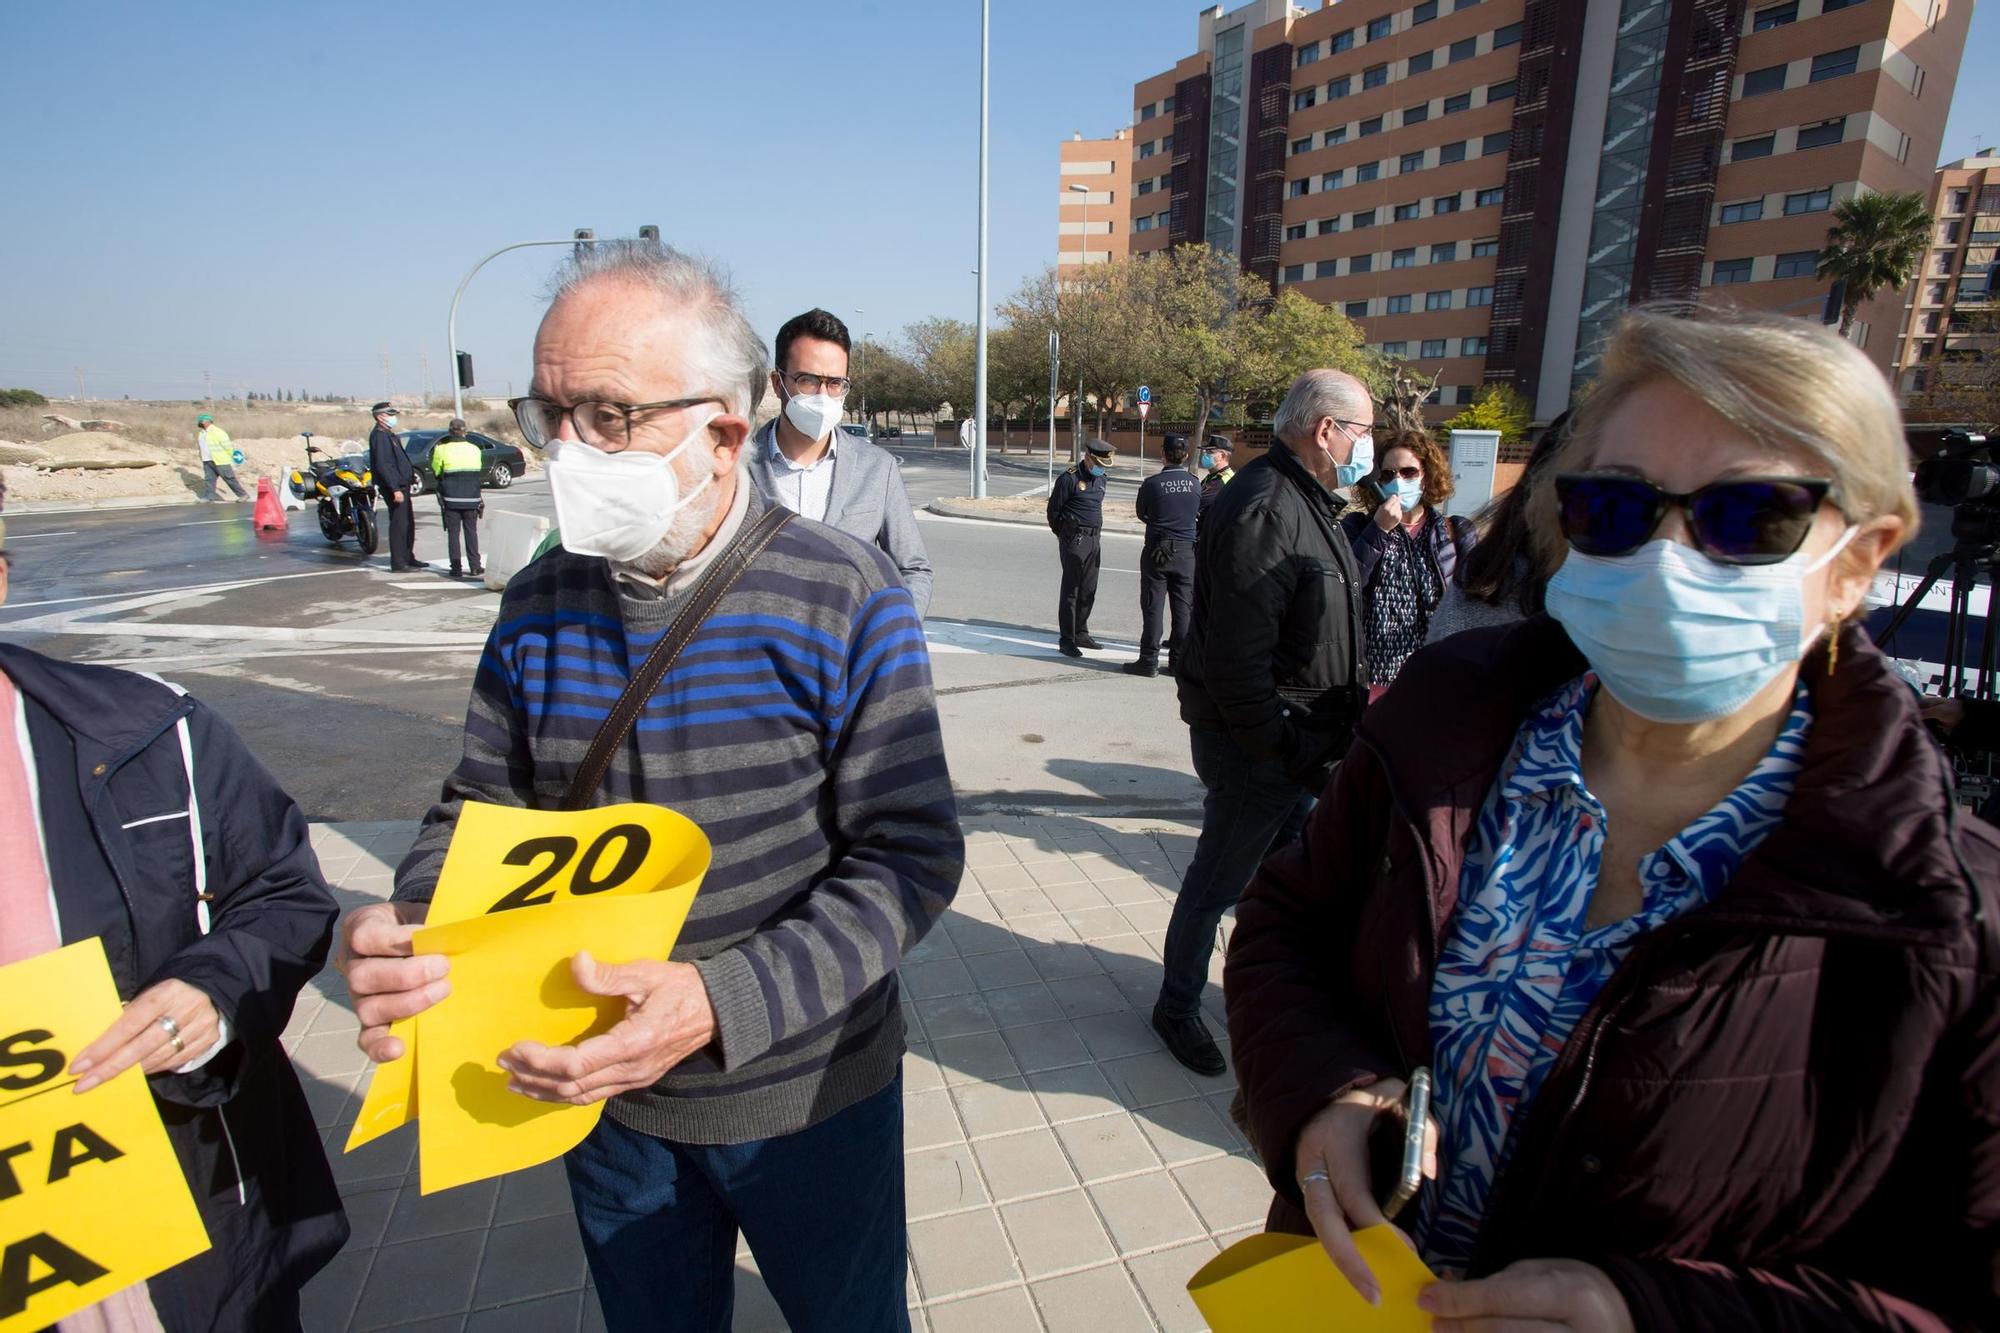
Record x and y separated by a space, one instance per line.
1389 513
1533 1296
387 982
397 496
668 1017
139 1037
1332 1171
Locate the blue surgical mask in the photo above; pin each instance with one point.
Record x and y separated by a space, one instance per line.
1677 637
1411 493
1094 469
1358 465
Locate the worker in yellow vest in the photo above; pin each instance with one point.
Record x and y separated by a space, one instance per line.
459 467
218 457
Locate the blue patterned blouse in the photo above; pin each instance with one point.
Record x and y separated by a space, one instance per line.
1519 967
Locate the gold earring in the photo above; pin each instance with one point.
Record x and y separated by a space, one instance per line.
1833 644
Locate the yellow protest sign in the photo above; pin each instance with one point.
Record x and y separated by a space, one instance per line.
92 1198
1275 1284
520 894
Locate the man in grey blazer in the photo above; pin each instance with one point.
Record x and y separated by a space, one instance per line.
805 462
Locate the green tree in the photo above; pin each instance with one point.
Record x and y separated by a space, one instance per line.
888 381
1494 407
941 350
1294 334
1197 311
1877 241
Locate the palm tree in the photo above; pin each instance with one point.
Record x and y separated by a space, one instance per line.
1876 241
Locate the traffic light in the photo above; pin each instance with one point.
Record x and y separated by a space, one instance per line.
585 236
465 370
650 234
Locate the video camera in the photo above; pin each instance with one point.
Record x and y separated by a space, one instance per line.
1965 476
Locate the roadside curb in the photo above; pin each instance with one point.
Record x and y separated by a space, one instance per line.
971 509
109 502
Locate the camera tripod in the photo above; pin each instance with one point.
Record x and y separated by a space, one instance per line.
1964 560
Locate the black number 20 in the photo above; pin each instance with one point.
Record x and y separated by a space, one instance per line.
590 876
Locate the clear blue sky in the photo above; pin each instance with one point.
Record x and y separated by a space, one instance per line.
280 194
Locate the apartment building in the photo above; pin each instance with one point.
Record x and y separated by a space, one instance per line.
1945 311
1485 184
1093 217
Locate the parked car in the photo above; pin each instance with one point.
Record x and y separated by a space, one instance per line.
504 461
855 428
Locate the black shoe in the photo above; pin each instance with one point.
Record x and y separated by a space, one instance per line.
479 571
1188 1041
1068 649
1085 641
458 573
1141 668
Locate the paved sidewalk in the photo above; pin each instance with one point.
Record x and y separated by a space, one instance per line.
1064 1173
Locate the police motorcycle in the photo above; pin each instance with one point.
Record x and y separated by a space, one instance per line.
341 485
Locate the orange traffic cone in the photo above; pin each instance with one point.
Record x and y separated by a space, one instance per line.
269 514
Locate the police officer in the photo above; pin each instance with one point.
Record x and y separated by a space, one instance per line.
459 468
218 458
1076 516
1216 471
1169 506
393 478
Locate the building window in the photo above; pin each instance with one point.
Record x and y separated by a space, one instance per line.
1444 203
1298 189
1507 36
1485 249
1406 258
1147 111
1411 162
1472 346
1465 48
1831 5
1476 296
1366 172
1420 63
1941 264
1431 348
1499 92
1295 273
1424 12
1361 264
1372 125
1745 149
1457 102
1729 271
1948 232
1374 76
1355 310
1808 201
1166 106
1825 133
1444 252
1924 350
1418 114
1934 293
1749 211
1296 232
1304 98
1775 16
1328 226
1497 142
1797 264
1342 41
1333 180
1833 64
1409 212
1379 28
1488 198
1143 224
1437 393
1770 79
1161 219
1148 148
1960 201
1451 152
1327 268
1336 135
1363 219
1304 145
1398 348
1166 143
1931 322
1307 54
1145 187
1337 88
1437 300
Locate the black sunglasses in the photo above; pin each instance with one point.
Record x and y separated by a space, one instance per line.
1737 521
1389 474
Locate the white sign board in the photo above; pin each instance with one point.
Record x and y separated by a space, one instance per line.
1473 456
966 434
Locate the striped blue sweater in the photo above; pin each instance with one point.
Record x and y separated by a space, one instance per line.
798 729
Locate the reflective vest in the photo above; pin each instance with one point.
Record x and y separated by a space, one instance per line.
215 445
458 465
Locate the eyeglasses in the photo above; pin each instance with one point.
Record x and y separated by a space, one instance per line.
1410 473
1737 521
598 424
803 381
1364 427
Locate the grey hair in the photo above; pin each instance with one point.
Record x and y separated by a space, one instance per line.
729 358
1317 395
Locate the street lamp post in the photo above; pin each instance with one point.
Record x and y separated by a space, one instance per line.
1082 260
861 336
979 371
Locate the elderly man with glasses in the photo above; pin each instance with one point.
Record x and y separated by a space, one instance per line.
805 462
772 684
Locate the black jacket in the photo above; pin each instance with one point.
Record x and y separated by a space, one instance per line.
1169 505
1076 501
1274 653
108 759
391 466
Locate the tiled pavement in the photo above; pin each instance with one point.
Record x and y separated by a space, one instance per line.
1062 1171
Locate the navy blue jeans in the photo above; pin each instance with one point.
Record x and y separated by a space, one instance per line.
822 1208
1250 808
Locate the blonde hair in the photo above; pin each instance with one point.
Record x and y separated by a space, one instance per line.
1781 380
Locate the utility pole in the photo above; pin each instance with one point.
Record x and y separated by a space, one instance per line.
386 394
424 373
207 388
79 383
979 372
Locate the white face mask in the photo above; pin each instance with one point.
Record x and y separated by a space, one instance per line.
390 421
618 506
814 414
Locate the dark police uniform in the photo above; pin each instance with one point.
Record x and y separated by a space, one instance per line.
1076 515
1169 504
393 474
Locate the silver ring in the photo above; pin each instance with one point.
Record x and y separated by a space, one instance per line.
1310 1176
173 1031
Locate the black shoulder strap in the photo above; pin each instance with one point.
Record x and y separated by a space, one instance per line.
709 591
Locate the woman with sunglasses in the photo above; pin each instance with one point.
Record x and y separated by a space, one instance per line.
1667 890
1405 549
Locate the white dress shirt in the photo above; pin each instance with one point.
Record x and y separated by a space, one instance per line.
805 488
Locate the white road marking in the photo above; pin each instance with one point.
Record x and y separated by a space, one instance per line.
208 523
442 585
30 536
1033 529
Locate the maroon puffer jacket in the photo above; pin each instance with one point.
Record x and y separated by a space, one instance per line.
1783 1112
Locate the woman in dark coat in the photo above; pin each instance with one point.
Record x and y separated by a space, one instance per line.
161 836
1668 891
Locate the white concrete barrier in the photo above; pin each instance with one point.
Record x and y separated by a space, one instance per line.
508 540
